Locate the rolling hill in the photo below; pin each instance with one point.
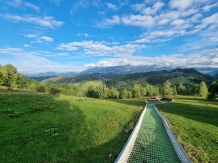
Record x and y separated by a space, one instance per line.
187 76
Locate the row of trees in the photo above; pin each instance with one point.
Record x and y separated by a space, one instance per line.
168 90
10 77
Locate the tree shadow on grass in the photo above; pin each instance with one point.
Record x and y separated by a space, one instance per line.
56 131
134 102
204 114
35 128
191 98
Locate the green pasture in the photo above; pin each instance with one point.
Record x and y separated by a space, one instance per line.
194 121
44 128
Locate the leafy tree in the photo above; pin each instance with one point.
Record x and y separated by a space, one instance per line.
124 94
143 91
149 90
92 92
167 90
23 81
181 89
68 89
213 91
113 93
136 93
189 90
196 89
12 75
174 90
203 91
51 88
36 86
129 94
156 91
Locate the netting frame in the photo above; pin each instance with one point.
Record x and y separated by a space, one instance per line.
183 157
127 149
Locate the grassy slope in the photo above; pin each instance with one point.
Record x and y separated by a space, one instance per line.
84 131
194 121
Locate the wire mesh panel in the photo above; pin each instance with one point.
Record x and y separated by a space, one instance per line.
152 144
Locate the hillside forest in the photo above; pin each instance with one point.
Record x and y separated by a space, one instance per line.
162 83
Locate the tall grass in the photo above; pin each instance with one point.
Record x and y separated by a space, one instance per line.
194 121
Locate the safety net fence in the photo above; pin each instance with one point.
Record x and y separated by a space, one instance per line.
152 141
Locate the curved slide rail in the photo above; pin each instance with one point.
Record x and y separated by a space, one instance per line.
152 141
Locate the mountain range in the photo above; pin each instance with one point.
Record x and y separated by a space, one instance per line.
120 70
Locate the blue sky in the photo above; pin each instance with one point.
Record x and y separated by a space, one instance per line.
73 35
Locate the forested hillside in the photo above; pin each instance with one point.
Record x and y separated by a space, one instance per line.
109 85
176 76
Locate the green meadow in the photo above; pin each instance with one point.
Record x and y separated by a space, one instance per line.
42 128
194 121
48 128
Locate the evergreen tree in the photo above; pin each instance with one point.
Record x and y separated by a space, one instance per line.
167 90
203 91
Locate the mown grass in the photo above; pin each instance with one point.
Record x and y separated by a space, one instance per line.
194 121
44 128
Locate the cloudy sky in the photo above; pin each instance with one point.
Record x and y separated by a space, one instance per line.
73 35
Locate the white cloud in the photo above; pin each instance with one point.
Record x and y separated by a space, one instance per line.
178 22
79 4
15 3
112 6
172 15
83 34
152 10
101 48
181 4
138 20
46 38
31 35
46 21
9 50
163 21
26 45
173 60
208 7
195 18
189 12
63 54
213 39
109 22
211 20
28 62
138 7
160 36
30 5
20 3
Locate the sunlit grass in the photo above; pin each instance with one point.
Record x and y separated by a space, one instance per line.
44 128
194 121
